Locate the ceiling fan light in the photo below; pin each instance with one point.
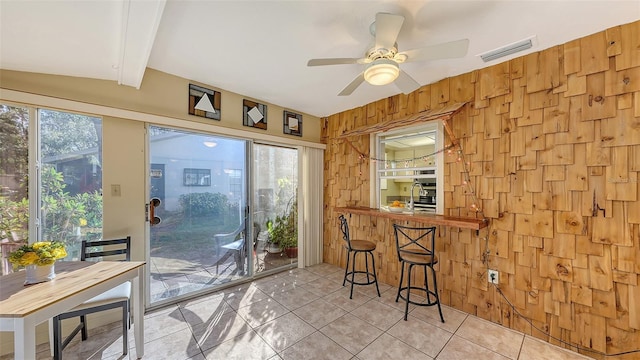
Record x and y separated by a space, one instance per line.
381 72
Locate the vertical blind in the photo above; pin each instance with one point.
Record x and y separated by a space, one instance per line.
312 192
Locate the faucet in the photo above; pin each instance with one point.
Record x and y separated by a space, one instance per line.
411 202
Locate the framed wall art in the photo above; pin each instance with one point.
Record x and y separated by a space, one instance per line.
254 114
204 102
292 123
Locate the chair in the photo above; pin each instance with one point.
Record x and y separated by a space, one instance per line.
115 298
415 246
232 246
356 247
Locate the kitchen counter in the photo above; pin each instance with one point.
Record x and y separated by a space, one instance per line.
421 217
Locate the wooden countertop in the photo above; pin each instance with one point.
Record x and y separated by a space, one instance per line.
426 218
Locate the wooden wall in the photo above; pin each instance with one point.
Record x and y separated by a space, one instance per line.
552 146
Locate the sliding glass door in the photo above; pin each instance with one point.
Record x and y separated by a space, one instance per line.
198 196
205 231
275 205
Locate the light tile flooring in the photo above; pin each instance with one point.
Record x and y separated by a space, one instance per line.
172 276
307 314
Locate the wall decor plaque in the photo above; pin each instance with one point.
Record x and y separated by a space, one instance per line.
292 123
204 102
254 114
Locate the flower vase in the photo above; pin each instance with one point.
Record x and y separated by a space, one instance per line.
37 274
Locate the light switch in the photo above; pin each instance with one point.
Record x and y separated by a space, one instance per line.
115 190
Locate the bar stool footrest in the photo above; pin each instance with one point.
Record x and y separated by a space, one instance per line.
347 278
428 296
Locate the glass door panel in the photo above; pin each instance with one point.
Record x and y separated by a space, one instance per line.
14 181
70 178
201 240
275 207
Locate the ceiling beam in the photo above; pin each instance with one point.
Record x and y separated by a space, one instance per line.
139 25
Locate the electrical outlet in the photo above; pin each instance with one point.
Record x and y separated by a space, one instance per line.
492 276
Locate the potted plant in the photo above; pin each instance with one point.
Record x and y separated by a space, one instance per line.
38 258
284 229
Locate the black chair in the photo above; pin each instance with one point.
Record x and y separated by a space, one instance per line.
356 247
416 247
118 297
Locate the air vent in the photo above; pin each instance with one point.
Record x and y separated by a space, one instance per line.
507 50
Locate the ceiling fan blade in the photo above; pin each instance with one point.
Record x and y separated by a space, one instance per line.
334 61
353 85
450 50
406 83
387 29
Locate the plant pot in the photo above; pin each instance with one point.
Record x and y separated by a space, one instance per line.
291 252
272 248
36 274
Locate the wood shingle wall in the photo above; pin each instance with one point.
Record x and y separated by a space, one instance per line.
551 142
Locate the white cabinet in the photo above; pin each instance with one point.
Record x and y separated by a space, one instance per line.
411 158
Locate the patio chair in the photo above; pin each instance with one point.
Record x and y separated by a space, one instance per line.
231 245
115 298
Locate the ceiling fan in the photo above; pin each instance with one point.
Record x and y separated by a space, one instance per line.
383 59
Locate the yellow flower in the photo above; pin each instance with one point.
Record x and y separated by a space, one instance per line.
40 245
59 253
29 258
83 222
39 253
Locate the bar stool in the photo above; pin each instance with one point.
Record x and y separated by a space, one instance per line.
358 246
416 247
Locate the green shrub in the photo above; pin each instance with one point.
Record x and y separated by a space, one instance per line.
92 203
204 204
14 217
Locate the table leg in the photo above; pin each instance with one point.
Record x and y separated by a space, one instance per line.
138 312
50 324
24 341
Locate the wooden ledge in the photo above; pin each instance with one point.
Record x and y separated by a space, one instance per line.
443 113
426 218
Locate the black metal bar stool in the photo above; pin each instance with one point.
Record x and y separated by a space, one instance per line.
416 247
358 246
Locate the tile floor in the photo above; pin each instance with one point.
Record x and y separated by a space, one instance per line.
172 276
307 314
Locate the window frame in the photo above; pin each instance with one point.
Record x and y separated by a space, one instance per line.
438 163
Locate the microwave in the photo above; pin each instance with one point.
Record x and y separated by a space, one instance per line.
429 182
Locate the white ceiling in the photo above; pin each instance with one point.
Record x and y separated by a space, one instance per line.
260 48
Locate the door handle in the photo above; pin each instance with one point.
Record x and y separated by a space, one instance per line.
153 219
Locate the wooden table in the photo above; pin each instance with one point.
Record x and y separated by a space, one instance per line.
24 307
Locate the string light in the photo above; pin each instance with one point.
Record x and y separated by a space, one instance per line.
449 149
363 156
